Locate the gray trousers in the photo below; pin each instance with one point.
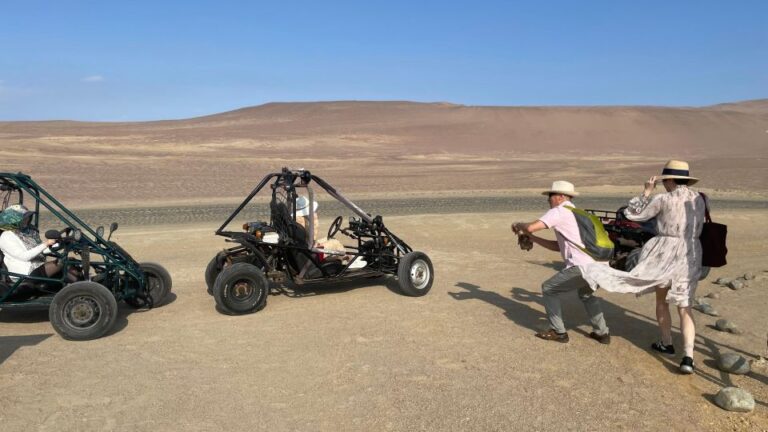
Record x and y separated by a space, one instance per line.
570 279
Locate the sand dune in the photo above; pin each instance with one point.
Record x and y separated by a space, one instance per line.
373 146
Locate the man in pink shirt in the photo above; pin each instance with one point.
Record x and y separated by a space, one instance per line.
570 245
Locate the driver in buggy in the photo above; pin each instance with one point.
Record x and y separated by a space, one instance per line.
335 247
21 245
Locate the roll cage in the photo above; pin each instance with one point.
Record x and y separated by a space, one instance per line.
116 269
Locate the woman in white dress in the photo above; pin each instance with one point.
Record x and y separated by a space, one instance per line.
670 262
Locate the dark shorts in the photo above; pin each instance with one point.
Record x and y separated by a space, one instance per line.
39 272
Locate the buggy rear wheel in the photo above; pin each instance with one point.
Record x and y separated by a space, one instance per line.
415 274
158 283
83 311
240 289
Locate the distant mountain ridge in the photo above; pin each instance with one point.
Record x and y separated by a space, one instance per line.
756 106
725 129
392 147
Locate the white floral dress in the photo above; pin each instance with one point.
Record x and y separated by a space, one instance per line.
672 259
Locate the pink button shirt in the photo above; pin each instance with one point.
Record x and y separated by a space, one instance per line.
564 223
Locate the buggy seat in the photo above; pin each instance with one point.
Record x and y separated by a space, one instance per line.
295 236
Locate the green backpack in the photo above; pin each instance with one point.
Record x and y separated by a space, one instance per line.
597 244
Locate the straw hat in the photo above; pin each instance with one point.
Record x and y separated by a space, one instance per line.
562 187
676 169
302 206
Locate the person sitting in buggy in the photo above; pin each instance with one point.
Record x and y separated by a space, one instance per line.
336 249
23 251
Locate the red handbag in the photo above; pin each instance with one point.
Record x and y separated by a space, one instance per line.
712 239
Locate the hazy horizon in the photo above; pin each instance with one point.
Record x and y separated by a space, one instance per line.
330 101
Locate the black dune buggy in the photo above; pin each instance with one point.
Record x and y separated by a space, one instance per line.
281 249
97 272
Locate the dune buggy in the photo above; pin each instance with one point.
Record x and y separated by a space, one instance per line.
281 249
96 272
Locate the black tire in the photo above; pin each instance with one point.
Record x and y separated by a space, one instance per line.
159 282
415 274
212 271
240 289
83 311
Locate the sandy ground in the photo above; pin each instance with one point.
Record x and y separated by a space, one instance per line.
366 358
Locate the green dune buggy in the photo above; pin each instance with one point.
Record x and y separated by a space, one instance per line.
270 252
96 272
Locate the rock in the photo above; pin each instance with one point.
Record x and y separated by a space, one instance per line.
706 308
736 284
727 326
733 363
713 296
735 399
723 281
760 365
748 276
701 301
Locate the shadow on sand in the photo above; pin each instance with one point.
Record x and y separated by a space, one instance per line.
311 290
9 344
31 316
636 328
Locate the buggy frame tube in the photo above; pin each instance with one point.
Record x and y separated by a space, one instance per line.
246 201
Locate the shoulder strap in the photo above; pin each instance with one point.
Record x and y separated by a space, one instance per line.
571 209
707 217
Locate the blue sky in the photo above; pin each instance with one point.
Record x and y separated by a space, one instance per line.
142 60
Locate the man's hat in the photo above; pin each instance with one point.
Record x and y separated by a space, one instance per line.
562 187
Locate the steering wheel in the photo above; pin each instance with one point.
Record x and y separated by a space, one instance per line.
65 236
335 226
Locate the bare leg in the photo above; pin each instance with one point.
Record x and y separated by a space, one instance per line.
52 268
688 327
663 317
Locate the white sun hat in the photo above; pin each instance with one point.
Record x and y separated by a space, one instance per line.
676 169
302 206
562 187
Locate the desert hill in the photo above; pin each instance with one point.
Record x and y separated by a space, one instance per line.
393 146
757 106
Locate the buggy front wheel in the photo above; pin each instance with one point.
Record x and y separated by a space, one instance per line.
415 274
83 311
240 289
